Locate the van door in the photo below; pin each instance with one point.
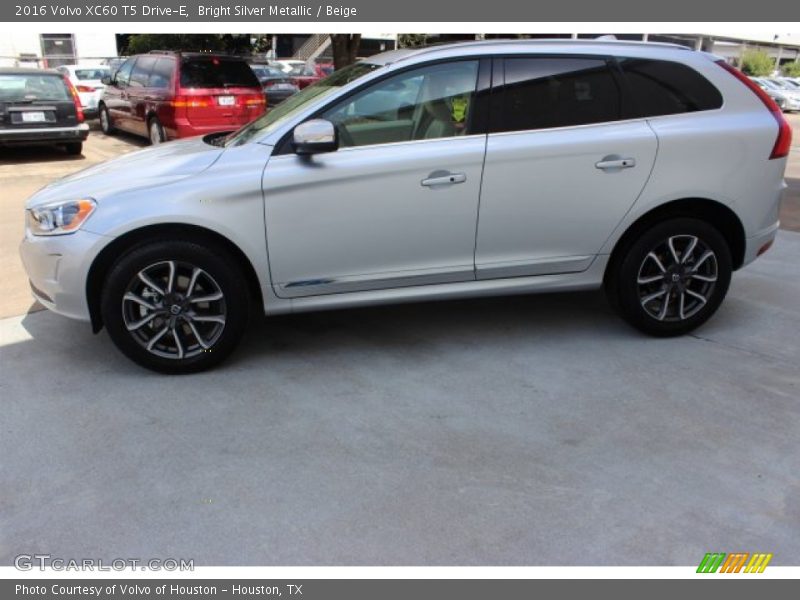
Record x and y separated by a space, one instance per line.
562 166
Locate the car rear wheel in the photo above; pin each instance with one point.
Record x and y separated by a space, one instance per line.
176 307
105 121
156 132
672 278
74 148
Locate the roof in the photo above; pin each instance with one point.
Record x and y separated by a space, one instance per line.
510 45
27 71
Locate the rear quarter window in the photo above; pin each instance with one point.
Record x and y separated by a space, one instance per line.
214 72
660 87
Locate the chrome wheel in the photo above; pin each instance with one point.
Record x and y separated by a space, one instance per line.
677 278
174 309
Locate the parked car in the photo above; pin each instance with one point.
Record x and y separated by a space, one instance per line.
277 85
87 80
784 97
39 106
286 64
306 74
650 170
169 95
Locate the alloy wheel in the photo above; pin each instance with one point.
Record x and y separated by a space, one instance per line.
677 278
174 309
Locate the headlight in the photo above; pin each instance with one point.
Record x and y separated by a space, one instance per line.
59 218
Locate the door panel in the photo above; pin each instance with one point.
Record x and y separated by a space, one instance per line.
547 206
360 219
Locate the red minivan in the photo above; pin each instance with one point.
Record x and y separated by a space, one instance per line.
169 95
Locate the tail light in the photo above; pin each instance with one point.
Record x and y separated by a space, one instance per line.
84 88
253 100
783 142
192 101
75 99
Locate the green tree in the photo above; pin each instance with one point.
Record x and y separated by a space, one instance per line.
757 63
141 43
791 69
411 40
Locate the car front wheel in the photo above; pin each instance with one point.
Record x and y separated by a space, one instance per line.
105 121
175 307
673 277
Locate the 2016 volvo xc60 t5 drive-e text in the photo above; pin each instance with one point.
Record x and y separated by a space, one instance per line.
472 169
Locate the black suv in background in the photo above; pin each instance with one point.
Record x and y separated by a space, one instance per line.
39 106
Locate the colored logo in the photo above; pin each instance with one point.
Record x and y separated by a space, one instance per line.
738 562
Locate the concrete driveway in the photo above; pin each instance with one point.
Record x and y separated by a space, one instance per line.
529 430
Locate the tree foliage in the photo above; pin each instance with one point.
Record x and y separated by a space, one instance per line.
757 63
791 69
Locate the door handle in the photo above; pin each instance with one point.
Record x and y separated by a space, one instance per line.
446 179
615 163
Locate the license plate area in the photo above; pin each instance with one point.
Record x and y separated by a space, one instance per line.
226 100
34 117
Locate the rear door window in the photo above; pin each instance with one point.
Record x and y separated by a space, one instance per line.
214 72
161 75
141 71
545 92
661 87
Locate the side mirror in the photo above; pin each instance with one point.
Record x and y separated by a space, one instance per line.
315 136
106 80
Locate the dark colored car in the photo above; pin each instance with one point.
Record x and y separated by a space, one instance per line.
277 85
40 107
169 95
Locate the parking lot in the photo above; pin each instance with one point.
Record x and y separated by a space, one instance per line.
529 430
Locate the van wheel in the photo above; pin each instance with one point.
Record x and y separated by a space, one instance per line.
105 121
74 148
156 132
672 278
176 307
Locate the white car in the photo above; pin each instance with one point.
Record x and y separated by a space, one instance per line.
286 64
474 169
87 82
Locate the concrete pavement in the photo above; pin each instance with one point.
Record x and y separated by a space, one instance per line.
534 431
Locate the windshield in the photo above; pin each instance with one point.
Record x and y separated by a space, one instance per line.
32 88
291 106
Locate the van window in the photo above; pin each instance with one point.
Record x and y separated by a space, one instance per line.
161 76
661 87
141 71
123 74
214 72
540 93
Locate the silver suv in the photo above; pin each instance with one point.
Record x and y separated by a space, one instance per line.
502 167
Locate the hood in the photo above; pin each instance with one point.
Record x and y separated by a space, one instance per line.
145 168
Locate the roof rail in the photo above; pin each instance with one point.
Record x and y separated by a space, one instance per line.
163 52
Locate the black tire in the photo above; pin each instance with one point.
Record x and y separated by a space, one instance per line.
155 132
179 349
106 124
74 148
692 287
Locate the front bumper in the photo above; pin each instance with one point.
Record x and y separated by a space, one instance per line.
39 135
58 267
